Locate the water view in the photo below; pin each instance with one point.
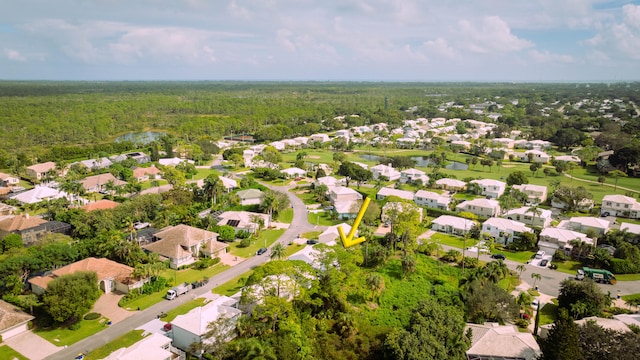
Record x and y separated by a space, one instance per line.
141 137
421 161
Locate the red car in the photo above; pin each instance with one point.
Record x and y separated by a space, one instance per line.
167 327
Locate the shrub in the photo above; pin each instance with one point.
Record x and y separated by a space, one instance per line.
522 323
559 256
242 234
428 248
75 326
245 242
452 256
92 316
622 266
470 262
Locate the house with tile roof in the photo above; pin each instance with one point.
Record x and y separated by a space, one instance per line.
112 276
553 239
504 342
142 174
453 225
7 180
13 321
97 183
243 220
585 223
31 228
450 184
532 217
504 231
183 244
385 192
431 200
39 194
385 171
39 171
413 176
102 204
536 194
480 207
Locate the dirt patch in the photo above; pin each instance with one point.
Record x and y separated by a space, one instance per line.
313 157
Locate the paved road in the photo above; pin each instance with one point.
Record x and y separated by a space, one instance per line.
299 225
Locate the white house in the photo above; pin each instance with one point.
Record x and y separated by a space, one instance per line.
191 327
431 200
536 194
387 191
386 171
568 158
506 142
174 161
405 143
293 172
537 156
561 238
491 188
539 217
97 164
450 184
228 184
538 145
343 193
620 205
250 197
319 137
494 341
413 176
328 181
152 347
8 180
451 225
586 223
630 228
480 207
505 231
461 144
244 220
38 194
301 140
278 145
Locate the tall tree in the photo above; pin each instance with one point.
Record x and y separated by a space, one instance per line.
562 341
69 297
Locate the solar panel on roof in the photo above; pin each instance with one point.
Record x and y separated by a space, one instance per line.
233 223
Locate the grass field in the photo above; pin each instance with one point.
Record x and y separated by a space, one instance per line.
8 353
292 249
125 340
62 336
451 240
548 313
266 238
183 309
286 216
232 286
321 218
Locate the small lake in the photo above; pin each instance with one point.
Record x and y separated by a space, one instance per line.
142 137
421 161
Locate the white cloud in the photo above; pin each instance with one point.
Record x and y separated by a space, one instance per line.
14 55
440 48
619 39
492 36
548 57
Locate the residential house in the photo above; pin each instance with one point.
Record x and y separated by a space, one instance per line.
451 225
112 276
536 194
503 342
6 210
183 244
102 204
387 191
344 133
480 207
535 156
413 176
505 231
585 223
450 184
13 321
174 161
460 145
193 326
431 200
145 174
504 142
98 183
620 205
293 172
278 145
405 143
491 188
139 157
301 140
96 164
385 171
583 205
552 239
39 171
398 207
532 217
630 228
346 201
568 158
228 183
7 180
538 145
244 220
250 197
362 165
31 228
323 138
331 234
328 181
155 346
248 156
602 162
39 194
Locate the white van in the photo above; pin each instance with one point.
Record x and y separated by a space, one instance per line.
539 254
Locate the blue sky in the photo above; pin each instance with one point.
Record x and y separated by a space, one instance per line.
388 40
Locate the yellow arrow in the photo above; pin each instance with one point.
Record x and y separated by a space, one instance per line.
348 240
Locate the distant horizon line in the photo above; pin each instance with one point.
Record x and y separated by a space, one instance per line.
612 81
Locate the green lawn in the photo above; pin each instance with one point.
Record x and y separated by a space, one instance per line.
548 313
232 286
631 297
568 266
451 240
311 234
125 340
267 237
183 309
307 197
292 249
322 218
286 216
61 336
8 353
519 256
628 277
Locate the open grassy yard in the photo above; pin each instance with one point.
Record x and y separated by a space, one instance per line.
8 353
266 238
232 286
125 340
321 218
568 266
519 256
548 313
61 336
451 240
292 249
183 309
285 216
628 277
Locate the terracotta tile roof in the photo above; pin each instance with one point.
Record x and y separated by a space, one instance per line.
104 268
185 235
168 249
103 204
20 222
140 172
11 316
98 180
42 168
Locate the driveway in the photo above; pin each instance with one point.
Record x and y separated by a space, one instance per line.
32 346
107 306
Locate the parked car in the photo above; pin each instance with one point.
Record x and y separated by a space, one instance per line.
534 303
540 254
261 251
544 262
498 257
312 242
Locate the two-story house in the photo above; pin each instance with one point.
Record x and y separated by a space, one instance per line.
505 231
532 217
431 200
536 194
620 205
450 184
491 188
7 180
584 224
387 191
451 225
346 201
413 176
480 207
385 171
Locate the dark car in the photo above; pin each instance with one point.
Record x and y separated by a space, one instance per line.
261 251
498 257
544 262
312 242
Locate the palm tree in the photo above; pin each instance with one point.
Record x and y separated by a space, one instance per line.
536 277
278 252
520 269
270 203
258 221
375 282
495 271
536 212
524 299
213 187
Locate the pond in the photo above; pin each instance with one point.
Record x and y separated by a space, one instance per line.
141 137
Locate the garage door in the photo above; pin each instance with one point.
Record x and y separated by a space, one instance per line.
8 334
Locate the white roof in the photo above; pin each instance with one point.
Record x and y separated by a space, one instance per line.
526 210
480 202
197 320
412 171
403 194
568 158
489 182
590 221
38 194
173 161
631 228
451 182
621 199
228 183
507 224
345 207
343 190
294 171
454 221
150 347
428 195
564 235
327 180
333 230
530 187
